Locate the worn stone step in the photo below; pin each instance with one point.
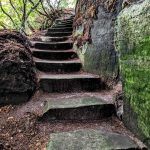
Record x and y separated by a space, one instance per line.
60 34
62 25
58 66
65 20
68 29
54 39
70 82
91 139
52 45
78 107
54 55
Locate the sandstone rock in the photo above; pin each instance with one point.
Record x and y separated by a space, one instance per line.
133 43
94 37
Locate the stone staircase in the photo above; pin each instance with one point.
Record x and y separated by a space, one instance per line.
71 94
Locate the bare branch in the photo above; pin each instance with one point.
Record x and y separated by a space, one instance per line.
33 8
49 4
41 13
44 8
11 3
7 14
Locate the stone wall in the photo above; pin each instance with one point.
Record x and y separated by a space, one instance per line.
94 37
133 43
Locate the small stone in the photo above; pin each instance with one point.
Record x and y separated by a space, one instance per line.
10 118
38 144
7 145
19 131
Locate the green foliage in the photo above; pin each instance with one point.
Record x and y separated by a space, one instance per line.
15 11
12 15
68 3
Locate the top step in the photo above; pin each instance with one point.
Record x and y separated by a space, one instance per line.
66 29
68 19
64 25
65 22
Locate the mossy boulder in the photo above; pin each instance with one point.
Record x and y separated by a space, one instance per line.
133 43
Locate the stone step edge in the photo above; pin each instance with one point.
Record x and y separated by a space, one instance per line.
52 51
38 60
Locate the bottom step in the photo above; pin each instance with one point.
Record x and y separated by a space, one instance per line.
90 139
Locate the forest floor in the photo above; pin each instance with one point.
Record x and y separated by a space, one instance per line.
21 128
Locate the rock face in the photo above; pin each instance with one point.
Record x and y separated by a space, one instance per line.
17 75
94 37
133 43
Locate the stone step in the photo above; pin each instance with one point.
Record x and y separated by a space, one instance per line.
78 107
52 45
69 82
91 139
65 20
54 55
53 39
58 66
62 25
60 34
69 29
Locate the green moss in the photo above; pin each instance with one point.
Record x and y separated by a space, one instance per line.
135 68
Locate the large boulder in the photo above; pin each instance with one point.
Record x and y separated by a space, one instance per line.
133 43
94 29
17 69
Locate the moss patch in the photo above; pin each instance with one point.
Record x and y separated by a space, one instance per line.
136 75
133 43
